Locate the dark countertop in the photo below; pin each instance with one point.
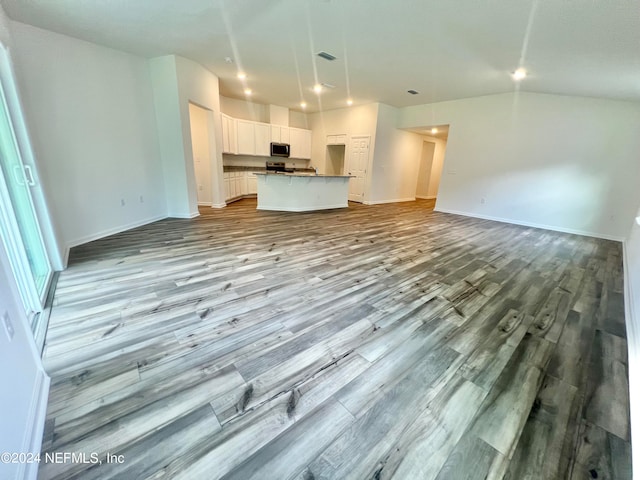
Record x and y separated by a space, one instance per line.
238 168
305 173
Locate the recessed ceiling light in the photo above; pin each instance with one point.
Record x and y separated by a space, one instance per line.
303 104
228 60
519 74
317 88
413 92
434 130
247 91
242 75
349 102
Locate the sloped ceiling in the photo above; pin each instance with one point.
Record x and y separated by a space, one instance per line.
443 49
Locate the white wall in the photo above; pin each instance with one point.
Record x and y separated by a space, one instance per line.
632 296
278 115
164 79
299 120
360 120
198 119
24 386
396 160
258 112
424 172
177 82
198 85
565 163
255 112
90 114
436 166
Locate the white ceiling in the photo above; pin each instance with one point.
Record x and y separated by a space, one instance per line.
445 49
442 133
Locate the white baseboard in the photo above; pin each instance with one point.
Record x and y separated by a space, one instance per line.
632 322
304 209
106 233
425 198
218 205
65 257
534 225
38 413
182 214
395 200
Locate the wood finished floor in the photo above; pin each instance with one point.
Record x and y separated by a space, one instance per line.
374 342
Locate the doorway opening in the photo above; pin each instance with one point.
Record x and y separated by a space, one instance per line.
203 148
434 145
335 160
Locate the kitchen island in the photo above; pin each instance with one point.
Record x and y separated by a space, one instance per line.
302 192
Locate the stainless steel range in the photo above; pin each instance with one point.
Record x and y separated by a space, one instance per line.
276 167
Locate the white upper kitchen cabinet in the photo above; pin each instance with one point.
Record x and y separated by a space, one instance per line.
229 136
300 141
337 139
246 137
280 134
275 133
263 139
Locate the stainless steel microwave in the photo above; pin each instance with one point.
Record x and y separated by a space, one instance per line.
280 149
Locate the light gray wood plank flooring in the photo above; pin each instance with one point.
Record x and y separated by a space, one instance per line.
377 342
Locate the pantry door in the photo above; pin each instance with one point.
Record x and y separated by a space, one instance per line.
358 164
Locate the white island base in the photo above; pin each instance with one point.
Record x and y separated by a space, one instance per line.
299 192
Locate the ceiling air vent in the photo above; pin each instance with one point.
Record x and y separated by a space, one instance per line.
413 92
326 56
327 85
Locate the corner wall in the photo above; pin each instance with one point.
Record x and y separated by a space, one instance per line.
397 160
24 386
558 162
177 82
632 296
90 113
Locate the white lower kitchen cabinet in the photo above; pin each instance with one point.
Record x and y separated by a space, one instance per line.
252 183
227 188
239 184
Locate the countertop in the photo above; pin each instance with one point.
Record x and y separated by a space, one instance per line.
302 174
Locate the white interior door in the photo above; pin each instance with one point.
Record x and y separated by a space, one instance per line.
358 164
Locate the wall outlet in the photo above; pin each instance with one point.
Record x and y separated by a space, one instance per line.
122 202
8 326
141 199
482 201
